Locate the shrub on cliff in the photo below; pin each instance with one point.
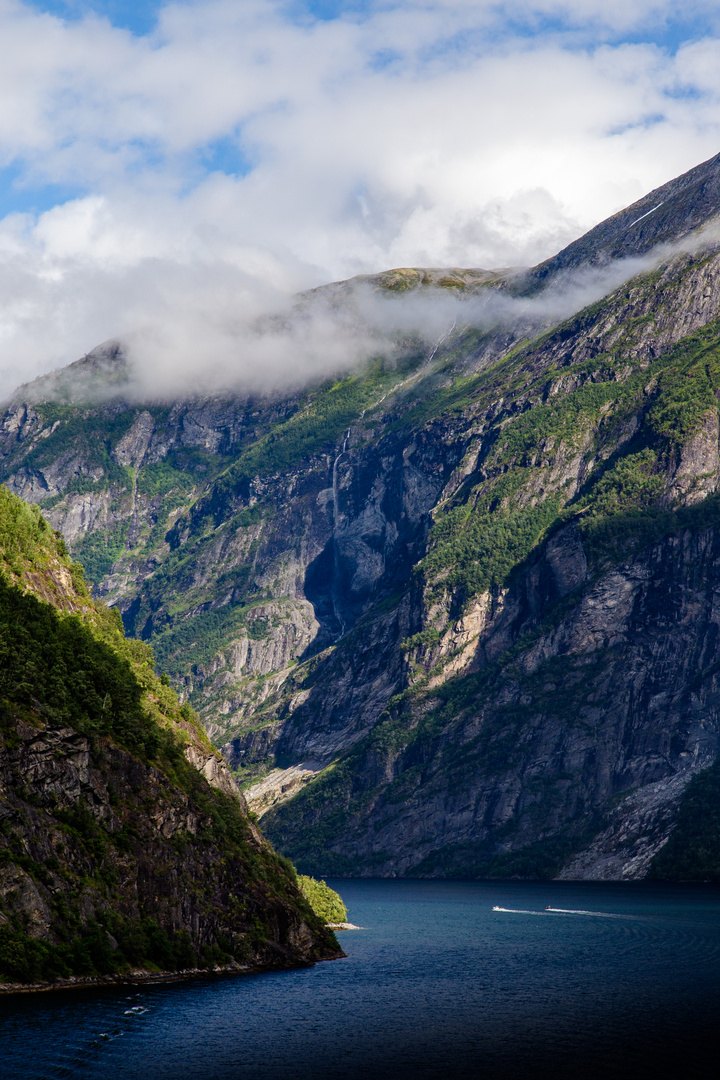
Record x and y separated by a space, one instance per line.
324 901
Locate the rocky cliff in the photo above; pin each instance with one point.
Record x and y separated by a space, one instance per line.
125 846
453 614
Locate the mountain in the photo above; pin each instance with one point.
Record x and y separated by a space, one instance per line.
453 614
125 846
669 215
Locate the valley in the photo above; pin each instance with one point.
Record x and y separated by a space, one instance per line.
453 614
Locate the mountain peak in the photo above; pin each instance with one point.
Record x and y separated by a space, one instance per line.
98 374
666 215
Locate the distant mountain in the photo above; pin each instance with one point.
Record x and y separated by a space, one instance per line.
453 615
124 843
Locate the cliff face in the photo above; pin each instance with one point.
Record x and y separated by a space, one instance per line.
454 615
560 683
568 754
116 853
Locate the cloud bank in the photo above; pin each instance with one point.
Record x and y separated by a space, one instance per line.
178 184
272 342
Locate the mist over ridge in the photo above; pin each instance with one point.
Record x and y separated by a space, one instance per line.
479 541
223 157
263 341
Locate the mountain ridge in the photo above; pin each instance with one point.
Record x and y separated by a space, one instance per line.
330 577
676 209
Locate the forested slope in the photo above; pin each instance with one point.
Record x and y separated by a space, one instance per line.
116 854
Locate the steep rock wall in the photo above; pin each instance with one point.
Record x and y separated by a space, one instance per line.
590 731
93 837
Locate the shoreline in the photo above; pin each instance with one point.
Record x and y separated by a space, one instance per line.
137 977
142 977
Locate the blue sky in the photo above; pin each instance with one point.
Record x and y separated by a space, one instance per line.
269 145
138 18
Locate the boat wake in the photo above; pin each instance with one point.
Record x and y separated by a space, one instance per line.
519 911
572 911
560 911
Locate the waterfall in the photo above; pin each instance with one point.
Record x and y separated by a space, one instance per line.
336 560
343 450
439 342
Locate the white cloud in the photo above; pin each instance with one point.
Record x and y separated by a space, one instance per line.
411 134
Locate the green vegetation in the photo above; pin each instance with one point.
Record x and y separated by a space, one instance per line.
487 531
76 666
618 536
110 947
463 392
687 388
88 436
187 641
321 812
56 663
25 536
328 411
693 851
630 485
484 547
196 640
324 901
178 472
423 637
98 551
69 669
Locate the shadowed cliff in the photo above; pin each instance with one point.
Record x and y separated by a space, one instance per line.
117 853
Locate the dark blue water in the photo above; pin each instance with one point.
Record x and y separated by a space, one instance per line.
436 984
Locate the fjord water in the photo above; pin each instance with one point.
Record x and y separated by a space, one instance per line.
624 981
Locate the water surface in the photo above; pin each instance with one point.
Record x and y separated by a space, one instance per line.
623 981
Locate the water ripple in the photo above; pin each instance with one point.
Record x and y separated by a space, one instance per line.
499 981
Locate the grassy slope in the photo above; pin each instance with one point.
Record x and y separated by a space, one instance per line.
114 690
324 901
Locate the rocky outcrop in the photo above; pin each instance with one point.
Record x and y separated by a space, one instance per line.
94 837
280 785
126 848
670 215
